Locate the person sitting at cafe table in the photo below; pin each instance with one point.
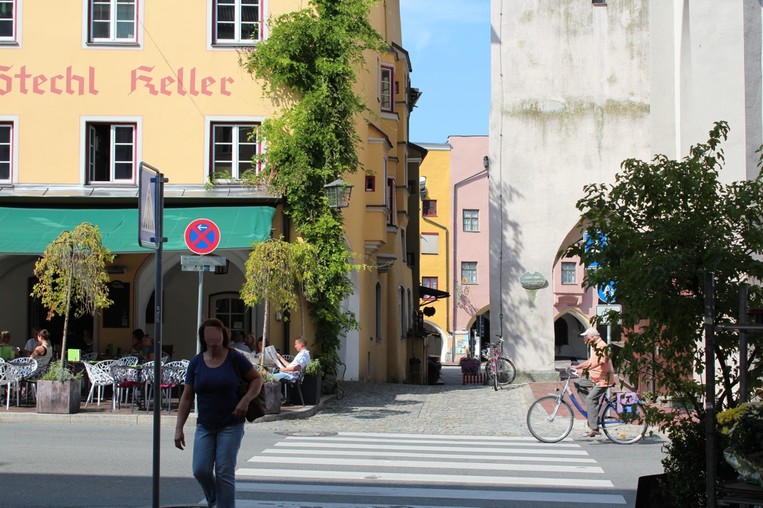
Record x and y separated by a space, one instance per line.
5 345
137 340
43 353
147 348
290 370
239 343
32 343
87 342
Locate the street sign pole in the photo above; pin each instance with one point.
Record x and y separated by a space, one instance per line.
150 235
202 236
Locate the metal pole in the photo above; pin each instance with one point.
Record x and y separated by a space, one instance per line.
198 325
158 290
743 304
198 309
709 390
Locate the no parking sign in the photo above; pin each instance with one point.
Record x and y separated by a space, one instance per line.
202 236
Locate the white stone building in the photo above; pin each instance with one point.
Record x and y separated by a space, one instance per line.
578 86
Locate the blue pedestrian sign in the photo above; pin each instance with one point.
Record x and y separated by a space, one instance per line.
607 292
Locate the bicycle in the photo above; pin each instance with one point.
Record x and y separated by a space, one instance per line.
621 417
498 369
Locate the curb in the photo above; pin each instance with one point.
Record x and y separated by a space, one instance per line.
143 418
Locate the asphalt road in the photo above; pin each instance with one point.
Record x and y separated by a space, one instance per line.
382 445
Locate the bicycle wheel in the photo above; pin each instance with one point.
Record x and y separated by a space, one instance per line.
494 374
506 371
627 427
550 419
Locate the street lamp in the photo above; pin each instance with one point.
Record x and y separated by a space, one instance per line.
338 193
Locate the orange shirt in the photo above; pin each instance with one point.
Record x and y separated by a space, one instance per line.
600 369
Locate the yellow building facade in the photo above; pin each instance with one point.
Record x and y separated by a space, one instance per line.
437 244
89 89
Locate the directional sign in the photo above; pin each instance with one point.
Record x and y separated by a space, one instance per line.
201 263
607 292
202 236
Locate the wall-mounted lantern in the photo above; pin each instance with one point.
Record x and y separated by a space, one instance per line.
338 193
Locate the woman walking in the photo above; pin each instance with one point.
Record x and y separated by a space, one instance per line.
213 378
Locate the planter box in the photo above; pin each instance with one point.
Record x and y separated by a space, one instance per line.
59 397
272 398
311 391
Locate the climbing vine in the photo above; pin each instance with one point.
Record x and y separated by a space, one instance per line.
309 67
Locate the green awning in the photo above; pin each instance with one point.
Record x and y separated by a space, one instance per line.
30 230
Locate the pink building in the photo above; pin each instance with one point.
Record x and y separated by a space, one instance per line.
470 299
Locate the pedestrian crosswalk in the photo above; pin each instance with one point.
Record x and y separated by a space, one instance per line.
351 469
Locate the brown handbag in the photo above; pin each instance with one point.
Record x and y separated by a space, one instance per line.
256 407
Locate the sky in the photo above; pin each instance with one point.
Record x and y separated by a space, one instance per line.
448 42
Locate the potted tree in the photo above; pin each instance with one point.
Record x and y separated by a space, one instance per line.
272 388
275 275
71 278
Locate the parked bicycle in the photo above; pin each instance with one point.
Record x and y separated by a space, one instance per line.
498 369
621 415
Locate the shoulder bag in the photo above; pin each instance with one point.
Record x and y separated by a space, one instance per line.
256 407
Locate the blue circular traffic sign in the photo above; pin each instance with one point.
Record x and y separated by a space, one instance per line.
202 236
607 292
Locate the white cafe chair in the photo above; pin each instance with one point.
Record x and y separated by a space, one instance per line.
98 378
10 376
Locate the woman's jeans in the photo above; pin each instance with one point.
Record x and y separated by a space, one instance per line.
214 462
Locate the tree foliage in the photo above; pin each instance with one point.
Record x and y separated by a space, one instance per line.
71 275
309 65
655 233
276 272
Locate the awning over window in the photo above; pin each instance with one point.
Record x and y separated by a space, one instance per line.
429 293
30 230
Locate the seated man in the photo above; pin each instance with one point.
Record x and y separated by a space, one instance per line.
290 370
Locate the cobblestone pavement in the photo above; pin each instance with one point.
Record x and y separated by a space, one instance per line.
448 408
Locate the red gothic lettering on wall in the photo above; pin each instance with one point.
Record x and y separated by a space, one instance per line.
184 82
188 82
25 82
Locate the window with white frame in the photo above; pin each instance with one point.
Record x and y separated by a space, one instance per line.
8 13
6 151
429 282
391 202
429 243
111 152
568 272
237 22
386 88
471 220
233 146
468 272
113 21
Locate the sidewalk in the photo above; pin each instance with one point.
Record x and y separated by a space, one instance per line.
448 408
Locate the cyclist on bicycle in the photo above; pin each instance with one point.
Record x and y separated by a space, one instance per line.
600 377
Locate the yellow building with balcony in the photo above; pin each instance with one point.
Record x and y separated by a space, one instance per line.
89 89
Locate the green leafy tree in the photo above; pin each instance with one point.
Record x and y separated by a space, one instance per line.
308 66
277 272
71 276
655 233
